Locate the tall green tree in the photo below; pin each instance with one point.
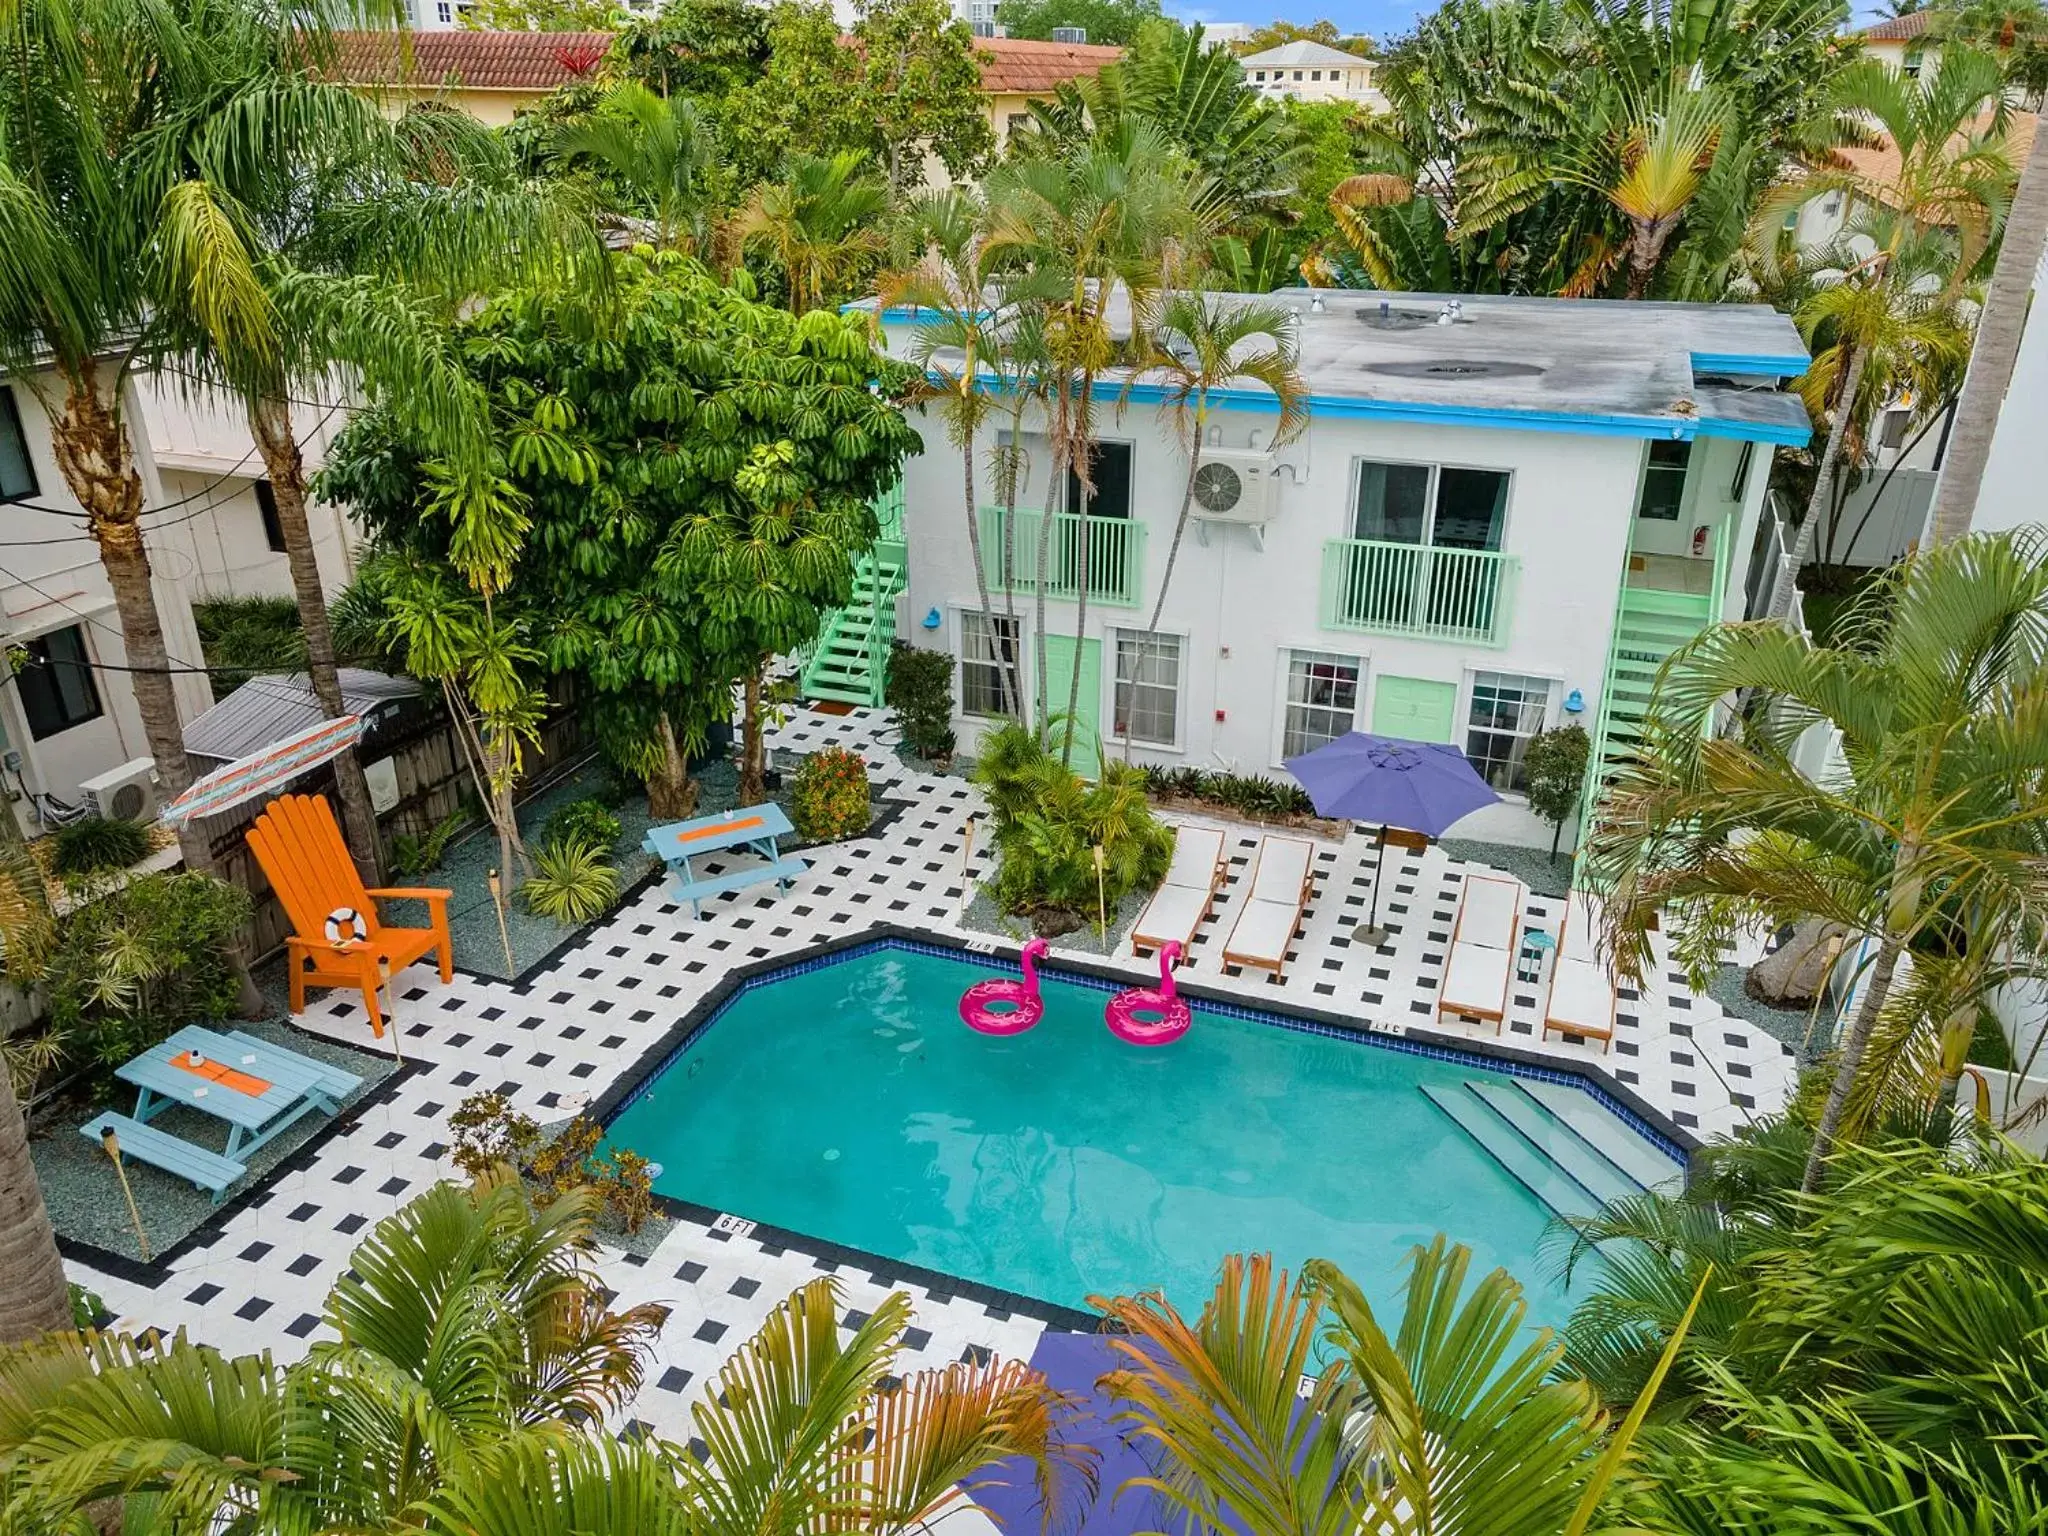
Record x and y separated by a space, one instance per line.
1932 839
822 226
662 156
685 475
1096 223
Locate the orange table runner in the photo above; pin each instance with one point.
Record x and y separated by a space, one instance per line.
220 1072
723 827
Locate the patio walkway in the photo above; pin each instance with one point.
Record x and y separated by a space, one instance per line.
584 1021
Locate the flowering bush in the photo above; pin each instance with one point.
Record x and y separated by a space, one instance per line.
829 799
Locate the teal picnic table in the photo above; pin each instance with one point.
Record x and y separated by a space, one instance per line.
751 829
258 1089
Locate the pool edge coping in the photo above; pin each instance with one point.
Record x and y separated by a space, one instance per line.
1642 1117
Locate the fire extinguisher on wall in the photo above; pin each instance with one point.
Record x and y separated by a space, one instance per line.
1699 541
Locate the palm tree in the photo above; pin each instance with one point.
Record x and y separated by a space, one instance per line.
466 1389
949 277
1999 324
821 223
1457 1421
1885 320
116 228
1204 343
1102 220
34 1298
369 232
1934 830
664 153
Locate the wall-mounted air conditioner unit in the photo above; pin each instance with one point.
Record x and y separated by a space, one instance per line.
126 793
1234 486
1070 34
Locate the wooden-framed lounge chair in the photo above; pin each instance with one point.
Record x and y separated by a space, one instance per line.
1283 877
1582 995
1484 942
1182 902
300 847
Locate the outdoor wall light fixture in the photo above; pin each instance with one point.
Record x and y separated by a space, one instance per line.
932 619
1575 703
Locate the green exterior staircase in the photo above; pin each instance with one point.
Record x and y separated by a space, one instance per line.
850 661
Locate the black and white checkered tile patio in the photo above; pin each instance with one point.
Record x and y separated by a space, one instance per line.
562 1037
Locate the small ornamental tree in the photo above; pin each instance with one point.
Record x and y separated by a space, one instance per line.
684 479
1556 765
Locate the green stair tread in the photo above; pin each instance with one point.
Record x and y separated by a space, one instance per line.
1522 1162
1556 1141
1614 1140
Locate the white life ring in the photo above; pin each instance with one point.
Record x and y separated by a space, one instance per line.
345 925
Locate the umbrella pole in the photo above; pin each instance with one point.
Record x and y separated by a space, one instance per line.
1374 934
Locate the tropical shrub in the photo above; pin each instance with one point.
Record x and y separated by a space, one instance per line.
1248 794
489 1133
1556 764
99 844
920 690
1048 822
416 855
1872 1348
586 823
132 966
570 883
242 636
829 798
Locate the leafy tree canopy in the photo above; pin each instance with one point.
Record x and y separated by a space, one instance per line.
690 471
1105 21
1326 32
543 16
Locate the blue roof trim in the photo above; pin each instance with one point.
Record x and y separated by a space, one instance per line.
1777 367
1756 432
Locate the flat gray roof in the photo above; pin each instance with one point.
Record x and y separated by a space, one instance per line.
1606 366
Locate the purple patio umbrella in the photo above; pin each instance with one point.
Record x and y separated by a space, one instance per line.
1422 786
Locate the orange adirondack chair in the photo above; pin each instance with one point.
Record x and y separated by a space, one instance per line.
299 845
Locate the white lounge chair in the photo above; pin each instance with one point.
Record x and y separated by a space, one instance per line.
1582 997
1282 879
1484 942
1183 899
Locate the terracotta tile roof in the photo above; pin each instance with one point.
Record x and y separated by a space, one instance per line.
481 61
1015 66
540 61
1879 166
1898 29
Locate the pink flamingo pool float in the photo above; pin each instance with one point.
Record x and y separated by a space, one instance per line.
1000 1006
1143 1016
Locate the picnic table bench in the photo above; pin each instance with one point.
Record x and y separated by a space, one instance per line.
751 828
257 1088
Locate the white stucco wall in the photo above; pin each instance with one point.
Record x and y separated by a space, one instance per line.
2015 488
1239 608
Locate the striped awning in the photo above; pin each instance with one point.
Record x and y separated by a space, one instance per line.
264 772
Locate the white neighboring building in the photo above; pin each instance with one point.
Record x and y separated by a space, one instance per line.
68 717
1312 72
1491 526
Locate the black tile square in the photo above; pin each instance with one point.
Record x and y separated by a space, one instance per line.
252 1309
204 1294
709 1331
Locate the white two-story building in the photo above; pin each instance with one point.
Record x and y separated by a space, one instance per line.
1501 517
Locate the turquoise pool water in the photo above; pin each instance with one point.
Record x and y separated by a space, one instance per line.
850 1103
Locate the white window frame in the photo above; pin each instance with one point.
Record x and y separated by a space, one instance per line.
962 616
1436 468
1686 477
1110 682
1468 683
1282 673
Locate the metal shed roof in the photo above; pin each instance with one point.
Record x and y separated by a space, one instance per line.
271 706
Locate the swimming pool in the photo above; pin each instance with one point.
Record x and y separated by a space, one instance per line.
844 1100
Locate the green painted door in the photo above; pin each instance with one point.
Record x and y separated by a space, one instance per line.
1059 677
1414 708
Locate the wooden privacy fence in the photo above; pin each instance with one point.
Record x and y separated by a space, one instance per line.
434 781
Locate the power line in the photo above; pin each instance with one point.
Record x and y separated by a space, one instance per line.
86 618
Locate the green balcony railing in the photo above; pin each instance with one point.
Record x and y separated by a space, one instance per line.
1112 565
1417 589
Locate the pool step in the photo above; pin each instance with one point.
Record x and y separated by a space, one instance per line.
1512 1150
1556 1141
1608 1136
